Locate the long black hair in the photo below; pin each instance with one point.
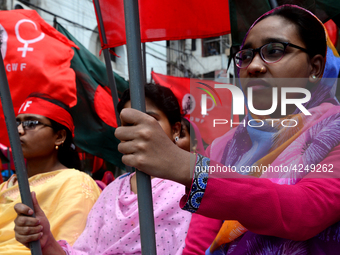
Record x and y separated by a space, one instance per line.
67 154
162 97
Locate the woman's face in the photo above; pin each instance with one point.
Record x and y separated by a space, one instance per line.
162 119
262 76
39 141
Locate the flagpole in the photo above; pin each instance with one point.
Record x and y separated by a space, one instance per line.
144 62
18 156
137 95
112 82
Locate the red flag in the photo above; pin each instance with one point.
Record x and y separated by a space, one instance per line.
189 93
37 59
167 20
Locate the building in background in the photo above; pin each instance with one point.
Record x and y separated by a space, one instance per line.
200 58
185 58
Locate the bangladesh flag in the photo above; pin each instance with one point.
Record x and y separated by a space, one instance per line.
94 115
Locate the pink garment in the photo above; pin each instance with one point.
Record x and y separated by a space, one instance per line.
224 189
297 212
320 117
113 225
202 232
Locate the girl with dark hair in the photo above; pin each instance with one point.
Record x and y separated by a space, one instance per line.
113 223
275 186
66 195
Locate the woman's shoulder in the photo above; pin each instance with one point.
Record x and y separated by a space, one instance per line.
73 178
70 172
124 176
65 180
121 182
74 172
167 187
67 174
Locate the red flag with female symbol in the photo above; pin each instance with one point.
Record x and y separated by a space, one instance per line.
37 59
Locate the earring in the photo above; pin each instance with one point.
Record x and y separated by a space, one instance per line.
56 147
176 139
313 77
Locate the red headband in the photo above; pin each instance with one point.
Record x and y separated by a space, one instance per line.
35 105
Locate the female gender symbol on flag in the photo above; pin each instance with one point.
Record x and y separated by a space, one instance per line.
26 42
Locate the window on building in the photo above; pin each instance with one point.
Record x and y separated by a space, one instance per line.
211 46
19 5
214 45
112 56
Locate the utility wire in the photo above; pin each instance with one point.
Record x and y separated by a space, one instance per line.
173 64
55 15
70 6
160 53
158 57
180 51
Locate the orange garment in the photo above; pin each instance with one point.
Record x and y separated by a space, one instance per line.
66 197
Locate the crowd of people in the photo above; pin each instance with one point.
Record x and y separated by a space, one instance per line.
198 211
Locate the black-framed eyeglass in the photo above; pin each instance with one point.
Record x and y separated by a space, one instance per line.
269 53
31 124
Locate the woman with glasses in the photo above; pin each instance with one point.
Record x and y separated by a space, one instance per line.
278 187
66 195
291 207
